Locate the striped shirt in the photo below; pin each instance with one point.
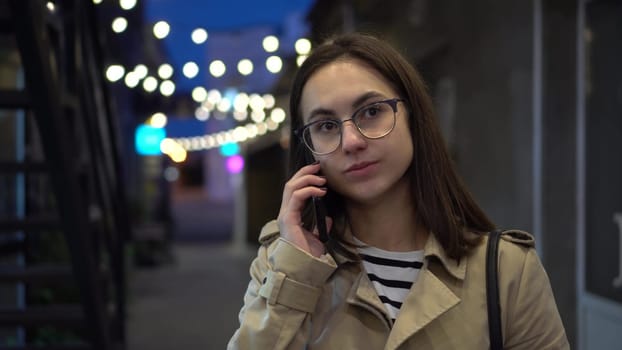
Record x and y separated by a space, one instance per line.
391 273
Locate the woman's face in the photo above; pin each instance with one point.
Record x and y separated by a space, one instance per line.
362 170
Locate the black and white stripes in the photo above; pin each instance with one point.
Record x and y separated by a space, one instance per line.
392 274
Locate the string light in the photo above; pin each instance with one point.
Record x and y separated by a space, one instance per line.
141 70
240 102
167 88
158 120
165 71
127 4
173 149
115 72
209 141
252 130
274 64
277 115
202 113
262 129
190 69
132 79
271 124
150 84
269 101
199 94
217 68
302 46
245 66
119 25
258 115
300 60
240 115
199 36
214 96
270 43
256 102
224 105
161 29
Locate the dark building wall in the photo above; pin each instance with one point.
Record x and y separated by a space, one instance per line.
491 56
559 134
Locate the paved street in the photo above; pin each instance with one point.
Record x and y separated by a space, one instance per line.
190 304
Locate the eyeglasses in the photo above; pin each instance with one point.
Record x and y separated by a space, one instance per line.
373 121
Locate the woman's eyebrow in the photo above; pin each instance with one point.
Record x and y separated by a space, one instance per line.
366 97
321 111
358 102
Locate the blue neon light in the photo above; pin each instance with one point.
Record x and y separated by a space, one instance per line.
147 140
229 149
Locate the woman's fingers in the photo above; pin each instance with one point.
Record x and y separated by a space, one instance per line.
306 176
291 208
304 184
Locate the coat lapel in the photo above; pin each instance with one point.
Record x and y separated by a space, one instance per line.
430 297
363 294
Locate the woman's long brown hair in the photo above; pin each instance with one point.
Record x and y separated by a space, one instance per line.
442 203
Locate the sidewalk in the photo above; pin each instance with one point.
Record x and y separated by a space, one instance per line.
190 304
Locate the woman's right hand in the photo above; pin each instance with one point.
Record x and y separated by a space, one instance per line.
302 186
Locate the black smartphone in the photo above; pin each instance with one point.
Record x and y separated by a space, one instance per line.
319 210
320 218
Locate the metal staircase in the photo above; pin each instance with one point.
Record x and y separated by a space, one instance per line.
63 191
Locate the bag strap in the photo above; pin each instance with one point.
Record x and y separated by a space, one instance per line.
492 291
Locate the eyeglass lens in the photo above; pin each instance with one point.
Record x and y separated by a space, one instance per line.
373 121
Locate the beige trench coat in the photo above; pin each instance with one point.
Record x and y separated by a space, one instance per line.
297 301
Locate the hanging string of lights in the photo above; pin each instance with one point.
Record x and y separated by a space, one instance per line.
241 106
213 102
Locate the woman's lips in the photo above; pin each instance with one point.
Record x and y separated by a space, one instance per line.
360 169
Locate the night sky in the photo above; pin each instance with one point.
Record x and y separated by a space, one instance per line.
236 30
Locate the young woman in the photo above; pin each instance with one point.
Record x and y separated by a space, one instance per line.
404 265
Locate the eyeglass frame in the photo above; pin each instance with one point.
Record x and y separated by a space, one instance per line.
392 102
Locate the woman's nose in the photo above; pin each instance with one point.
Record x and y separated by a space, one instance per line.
351 138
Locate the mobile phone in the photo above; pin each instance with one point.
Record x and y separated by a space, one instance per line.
319 211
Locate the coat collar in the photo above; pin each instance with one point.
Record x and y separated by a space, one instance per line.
433 248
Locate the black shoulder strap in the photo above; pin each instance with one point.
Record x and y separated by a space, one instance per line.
492 292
